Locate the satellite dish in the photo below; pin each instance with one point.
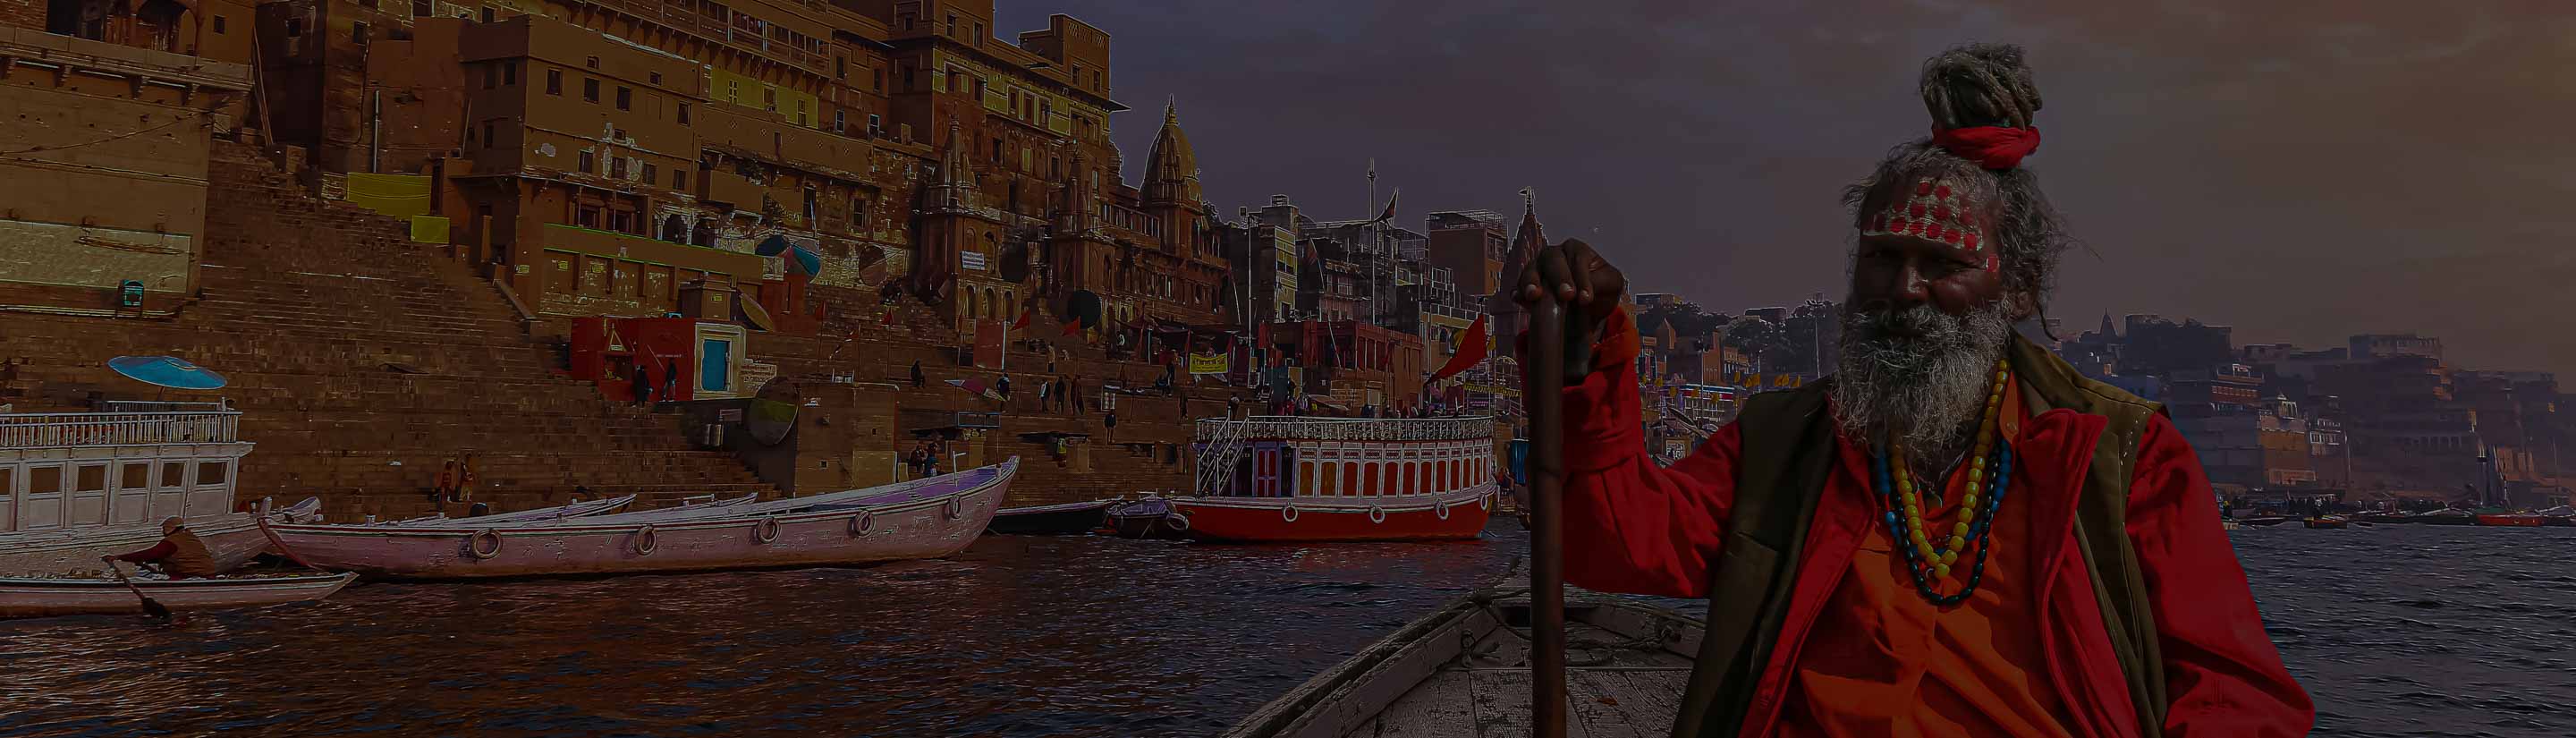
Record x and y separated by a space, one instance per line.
166 371
772 246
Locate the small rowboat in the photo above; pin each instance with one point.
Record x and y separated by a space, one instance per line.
233 538
915 520
574 510
1464 671
1151 517
36 598
1072 518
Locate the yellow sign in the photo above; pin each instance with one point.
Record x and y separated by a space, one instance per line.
1211 364
428 229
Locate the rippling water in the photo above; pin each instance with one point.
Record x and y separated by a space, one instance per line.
2397 630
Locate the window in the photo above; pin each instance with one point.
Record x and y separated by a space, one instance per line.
996 150
803 118
294 27
592 62
590 89
212 472
491 77
876 78
769 98
586 217
219 24
487 15
650 175
684 114
487 133
587 161
875 122
358 33
655 78
859 212
420 8
841 67
625 98
134 476
952 25
510 73
617 168
679 179
839 119
949 83
554 81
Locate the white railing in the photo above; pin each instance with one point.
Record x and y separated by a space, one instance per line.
1348 429
1217 457
56 430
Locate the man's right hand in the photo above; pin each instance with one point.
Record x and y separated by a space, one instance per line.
1580 279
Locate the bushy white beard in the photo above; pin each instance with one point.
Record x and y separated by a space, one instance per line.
1931 379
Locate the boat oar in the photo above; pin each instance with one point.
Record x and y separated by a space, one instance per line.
150 606
1544 394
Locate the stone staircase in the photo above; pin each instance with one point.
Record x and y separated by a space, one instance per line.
361 361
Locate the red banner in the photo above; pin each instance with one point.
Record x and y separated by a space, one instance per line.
1471 351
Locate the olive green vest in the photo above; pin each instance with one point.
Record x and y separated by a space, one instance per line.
1789 450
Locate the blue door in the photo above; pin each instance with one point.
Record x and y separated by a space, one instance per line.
714 357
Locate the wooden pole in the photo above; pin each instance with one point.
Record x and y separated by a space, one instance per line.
1544 391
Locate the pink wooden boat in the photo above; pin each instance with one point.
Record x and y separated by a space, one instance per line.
233 538
36 598
915 520
574 510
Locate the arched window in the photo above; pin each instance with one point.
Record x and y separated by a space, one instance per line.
1408 487
1351 478
1306 478
1332 479
992 307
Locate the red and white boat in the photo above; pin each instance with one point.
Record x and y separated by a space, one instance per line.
75 486
920 519
1289 479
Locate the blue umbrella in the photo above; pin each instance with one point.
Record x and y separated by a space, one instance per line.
166 371
772 246
810 262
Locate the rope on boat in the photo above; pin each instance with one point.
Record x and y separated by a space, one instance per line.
766 530
646 541
1288 513
862 523
289 553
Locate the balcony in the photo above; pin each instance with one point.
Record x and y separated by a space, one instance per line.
1272 427
64 430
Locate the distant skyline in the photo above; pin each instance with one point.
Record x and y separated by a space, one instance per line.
2299 170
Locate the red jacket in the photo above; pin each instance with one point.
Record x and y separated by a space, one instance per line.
1631 526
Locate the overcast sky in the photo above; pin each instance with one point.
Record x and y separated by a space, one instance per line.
2301 171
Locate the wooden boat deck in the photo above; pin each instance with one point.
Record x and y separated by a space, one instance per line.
1464 671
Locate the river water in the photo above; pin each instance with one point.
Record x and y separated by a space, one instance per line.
2397 630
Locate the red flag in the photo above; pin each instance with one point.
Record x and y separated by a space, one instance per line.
1023 322
1470 351
886 318
1073 327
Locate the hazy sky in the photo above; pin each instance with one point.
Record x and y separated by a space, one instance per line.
2299 170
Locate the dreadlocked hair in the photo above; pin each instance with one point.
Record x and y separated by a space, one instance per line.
1965 87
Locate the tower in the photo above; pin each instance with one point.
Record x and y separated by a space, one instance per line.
1172 196
959 242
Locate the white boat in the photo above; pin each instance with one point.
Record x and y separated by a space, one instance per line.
36 598
926 519
232 538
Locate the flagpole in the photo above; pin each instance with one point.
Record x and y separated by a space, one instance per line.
1371 229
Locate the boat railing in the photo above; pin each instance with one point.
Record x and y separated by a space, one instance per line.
58 430
1346 429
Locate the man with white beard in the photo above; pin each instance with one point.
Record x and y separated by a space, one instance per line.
1955 534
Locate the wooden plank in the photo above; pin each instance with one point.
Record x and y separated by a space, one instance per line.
1502 704
1438 707
1627 704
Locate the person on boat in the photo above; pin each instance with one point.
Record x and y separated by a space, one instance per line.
179 554
1955 533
